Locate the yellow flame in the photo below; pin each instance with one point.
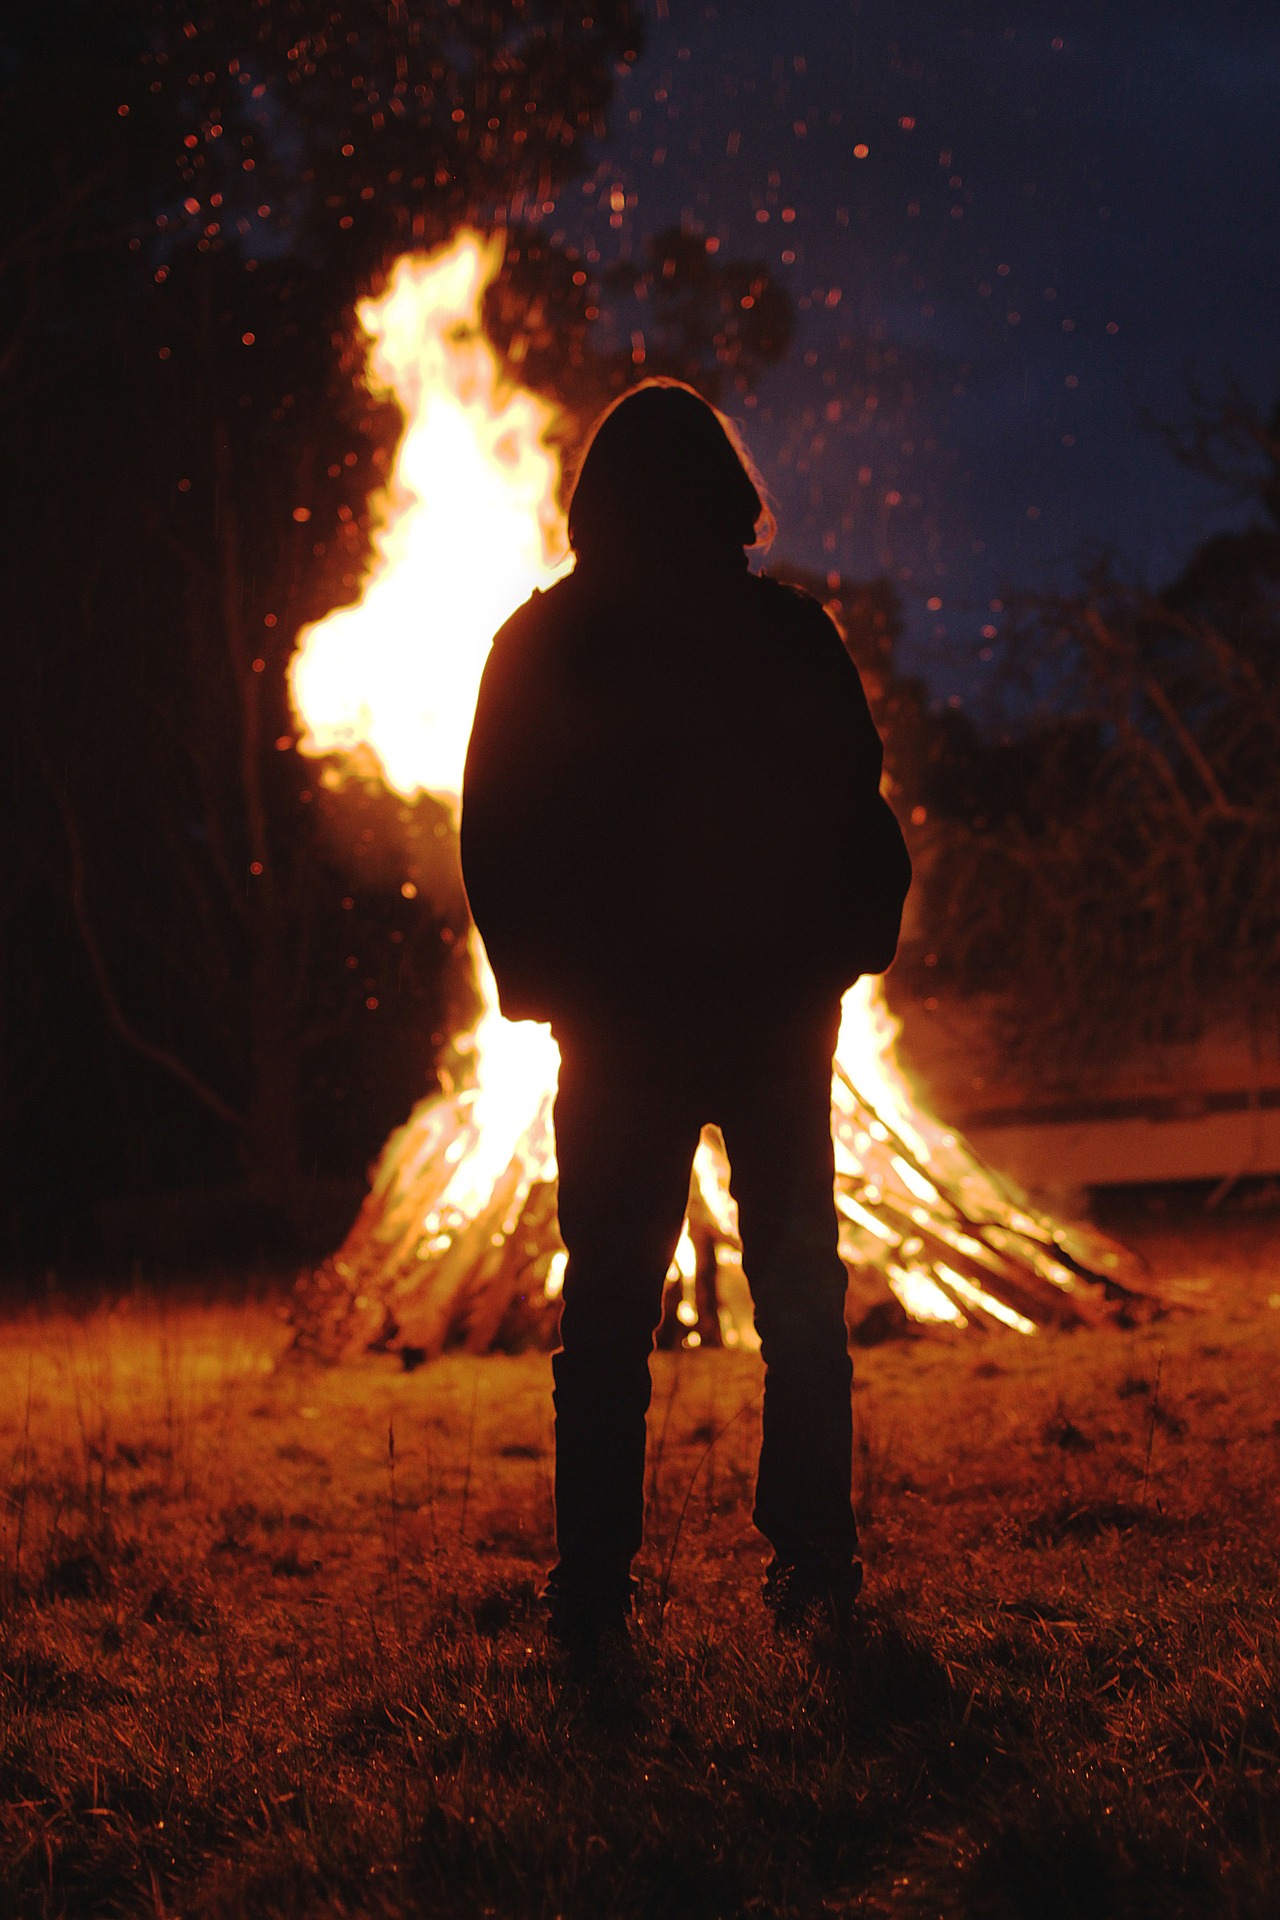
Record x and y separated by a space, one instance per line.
466 529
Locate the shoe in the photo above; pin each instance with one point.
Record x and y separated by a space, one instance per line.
580 1611
811 1590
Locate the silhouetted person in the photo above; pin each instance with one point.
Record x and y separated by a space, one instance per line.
676 851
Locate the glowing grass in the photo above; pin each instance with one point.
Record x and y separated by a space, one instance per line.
236 1679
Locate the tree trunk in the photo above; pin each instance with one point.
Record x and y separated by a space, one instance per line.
271 1148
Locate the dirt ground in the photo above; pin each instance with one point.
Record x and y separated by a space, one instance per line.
269 1642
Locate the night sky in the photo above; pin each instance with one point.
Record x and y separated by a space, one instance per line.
1039 221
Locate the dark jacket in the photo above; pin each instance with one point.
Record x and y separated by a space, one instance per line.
671 808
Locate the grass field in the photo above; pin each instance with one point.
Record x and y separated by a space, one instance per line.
268 1641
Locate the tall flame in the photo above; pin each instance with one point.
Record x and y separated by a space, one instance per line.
466 529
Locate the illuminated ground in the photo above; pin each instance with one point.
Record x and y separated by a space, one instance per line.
235 1680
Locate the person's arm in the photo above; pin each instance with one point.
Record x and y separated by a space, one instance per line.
870 853
505 829
858 748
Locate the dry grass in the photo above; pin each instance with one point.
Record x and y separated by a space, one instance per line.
254 1661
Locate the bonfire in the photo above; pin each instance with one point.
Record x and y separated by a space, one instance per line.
456 1242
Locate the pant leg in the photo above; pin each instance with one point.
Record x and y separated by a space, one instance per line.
624 1144
776 1119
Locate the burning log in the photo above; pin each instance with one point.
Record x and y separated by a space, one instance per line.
457 1241
424 1269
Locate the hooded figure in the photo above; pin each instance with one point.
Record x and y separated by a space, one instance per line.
676 851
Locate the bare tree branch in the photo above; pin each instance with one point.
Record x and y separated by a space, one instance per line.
159 1056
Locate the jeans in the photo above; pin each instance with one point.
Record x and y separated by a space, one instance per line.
627 1120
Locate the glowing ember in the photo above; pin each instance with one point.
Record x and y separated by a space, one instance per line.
459 1227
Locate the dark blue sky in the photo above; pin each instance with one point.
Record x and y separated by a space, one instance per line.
1107 171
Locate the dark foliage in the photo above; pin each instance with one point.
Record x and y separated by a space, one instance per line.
201 980
1112 870
679 311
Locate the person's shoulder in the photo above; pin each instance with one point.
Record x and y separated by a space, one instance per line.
788 599
795 608
536 617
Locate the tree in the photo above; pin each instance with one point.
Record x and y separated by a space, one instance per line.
679 311
1112 870
199 202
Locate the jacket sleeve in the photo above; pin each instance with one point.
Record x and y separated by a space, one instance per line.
505 830
872 869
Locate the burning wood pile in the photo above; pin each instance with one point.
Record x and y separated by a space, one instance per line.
457 1242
